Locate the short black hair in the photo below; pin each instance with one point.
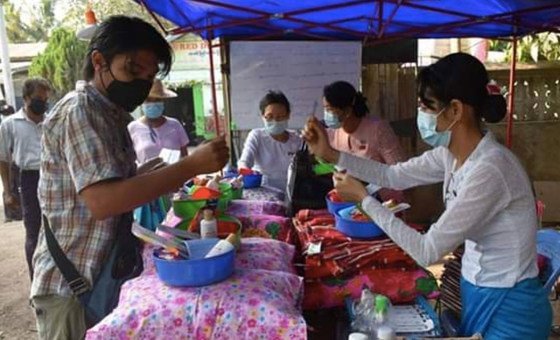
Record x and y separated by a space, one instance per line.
462 77
121 34
342 94
32 84
274 97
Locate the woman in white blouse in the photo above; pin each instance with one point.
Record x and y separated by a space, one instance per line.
270 149
489 202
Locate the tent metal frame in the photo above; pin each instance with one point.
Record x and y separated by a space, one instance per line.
377 33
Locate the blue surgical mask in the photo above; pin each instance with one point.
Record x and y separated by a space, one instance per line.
153 110
331 120
275 128
427 125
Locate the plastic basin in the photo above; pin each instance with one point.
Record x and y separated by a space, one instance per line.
333 207
226 225
252 181
226 195
197 270
355 229
237 194
187 209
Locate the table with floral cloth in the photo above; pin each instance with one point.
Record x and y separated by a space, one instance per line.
264 193
261 300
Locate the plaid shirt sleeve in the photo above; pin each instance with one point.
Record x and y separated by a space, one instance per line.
89 159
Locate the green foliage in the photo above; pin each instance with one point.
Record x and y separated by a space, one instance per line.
532 48
103 8
34 30
183 85
61 62
43 21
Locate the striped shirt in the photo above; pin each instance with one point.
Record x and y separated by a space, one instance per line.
85 141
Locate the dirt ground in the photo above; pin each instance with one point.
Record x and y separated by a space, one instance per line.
16 316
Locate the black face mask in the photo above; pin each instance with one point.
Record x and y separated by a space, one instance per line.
38 106
128 94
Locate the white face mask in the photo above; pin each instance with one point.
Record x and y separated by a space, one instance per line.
331 120
427 125
275 128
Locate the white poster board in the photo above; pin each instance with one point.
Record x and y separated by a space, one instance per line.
300 69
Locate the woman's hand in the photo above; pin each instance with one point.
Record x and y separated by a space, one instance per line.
349 188
316 137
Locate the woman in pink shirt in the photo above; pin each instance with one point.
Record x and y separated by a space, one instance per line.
351 130
153 131
150 134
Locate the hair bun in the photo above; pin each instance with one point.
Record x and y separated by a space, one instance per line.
360 104
495 108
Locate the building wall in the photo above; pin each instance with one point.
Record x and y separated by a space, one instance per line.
537 144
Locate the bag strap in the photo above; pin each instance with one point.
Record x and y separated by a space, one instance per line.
75 280
303 146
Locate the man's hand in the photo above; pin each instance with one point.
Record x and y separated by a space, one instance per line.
209 157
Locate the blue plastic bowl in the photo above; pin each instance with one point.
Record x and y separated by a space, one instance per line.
252 181
333 207
355 229
197 270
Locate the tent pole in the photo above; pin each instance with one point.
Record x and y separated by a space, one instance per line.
158 22
213 83
9 93
224 48
511 99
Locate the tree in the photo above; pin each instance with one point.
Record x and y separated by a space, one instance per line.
532 48
34 30
103 9
61 62
43 18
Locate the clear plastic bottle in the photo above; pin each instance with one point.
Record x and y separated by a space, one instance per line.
383 330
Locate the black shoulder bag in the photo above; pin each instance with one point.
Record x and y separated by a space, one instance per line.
305 189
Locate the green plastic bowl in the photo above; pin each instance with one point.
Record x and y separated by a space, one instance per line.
237 194
187 209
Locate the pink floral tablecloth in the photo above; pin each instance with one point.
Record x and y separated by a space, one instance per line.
260 301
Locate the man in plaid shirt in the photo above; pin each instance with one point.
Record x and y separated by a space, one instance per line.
88 174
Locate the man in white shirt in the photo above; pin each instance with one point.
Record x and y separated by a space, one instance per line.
20 144
13 211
